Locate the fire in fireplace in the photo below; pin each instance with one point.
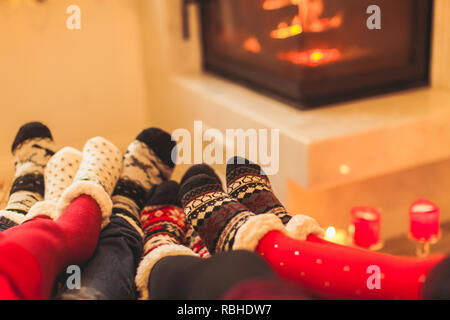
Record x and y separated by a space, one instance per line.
315 52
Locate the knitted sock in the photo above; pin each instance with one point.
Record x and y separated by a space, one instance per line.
195 243
164 225
193 239
247 183
340 272
147 162
198 169
35 252
32 148
223 223
59 174
97 176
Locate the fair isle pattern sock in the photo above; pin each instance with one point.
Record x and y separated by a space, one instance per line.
199 169
196 243
59 174
147 162
223 223
162 219
164 225
247 183
32 148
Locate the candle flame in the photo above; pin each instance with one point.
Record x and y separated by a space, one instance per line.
330 233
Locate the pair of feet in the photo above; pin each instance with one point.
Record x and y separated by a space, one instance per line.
46 182
232 220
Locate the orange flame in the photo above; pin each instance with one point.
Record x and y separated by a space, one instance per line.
286 31
308 18
252 45
311 58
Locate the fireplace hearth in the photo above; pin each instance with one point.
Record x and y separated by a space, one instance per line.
315 52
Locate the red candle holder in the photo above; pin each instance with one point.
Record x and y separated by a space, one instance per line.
365 227
424 224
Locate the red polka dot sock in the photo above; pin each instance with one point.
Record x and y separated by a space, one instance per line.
32 148
341 272
164 226
247 183
223 223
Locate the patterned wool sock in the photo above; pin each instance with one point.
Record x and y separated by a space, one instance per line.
146 163
59 174
247 183
32 148
223 223
196 243
96 177
193 239
164 225
198 169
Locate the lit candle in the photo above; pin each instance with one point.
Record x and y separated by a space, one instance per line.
365 226
338 236
424 217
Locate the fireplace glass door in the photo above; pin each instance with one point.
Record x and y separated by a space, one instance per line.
315 52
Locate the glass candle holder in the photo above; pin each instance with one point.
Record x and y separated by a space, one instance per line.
424 224
365 227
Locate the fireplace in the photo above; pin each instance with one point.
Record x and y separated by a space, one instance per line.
316 52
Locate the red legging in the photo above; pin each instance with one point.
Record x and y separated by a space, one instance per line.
34 253
340 272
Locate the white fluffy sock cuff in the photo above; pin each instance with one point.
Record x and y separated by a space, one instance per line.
43 208
13 216
254 229
91 189
301 226
148 262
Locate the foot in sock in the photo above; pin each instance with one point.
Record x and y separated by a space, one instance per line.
223 223
59 174
32 148
247 183
96 177
146 163
164 225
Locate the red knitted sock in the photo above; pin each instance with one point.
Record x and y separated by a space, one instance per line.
34 253
340 272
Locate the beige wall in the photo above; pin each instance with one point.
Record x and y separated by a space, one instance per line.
81 83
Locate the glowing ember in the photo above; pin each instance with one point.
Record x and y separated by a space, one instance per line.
311 58
252 45
308 18
285 31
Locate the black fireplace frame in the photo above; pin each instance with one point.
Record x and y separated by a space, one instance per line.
413 76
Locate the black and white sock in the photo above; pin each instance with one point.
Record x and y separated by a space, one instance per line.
247 183
146 163
223 223
32 148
